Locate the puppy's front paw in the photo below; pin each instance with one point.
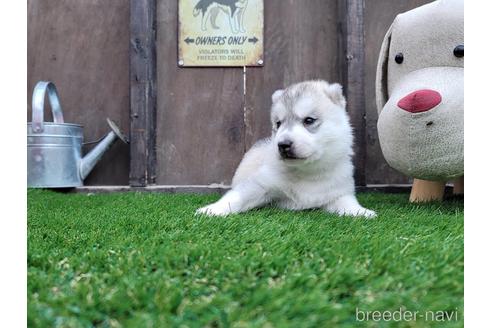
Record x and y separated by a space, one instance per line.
369 214
357 211
213 210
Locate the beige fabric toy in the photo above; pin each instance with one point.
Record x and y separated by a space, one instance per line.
419 95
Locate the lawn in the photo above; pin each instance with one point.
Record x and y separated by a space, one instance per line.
144 260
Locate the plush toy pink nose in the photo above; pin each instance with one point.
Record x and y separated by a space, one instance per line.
420 101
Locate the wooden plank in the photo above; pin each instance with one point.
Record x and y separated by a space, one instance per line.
378 17
143 91
221 189
355 83
82 46
200 135
169 189
342 41
300 44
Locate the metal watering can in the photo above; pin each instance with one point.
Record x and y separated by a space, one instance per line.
54 149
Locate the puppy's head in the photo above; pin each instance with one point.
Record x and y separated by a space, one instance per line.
310 122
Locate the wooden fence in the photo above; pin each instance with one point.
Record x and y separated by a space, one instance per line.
191 126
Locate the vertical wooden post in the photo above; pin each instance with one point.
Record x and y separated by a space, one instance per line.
342 42
142 92
351 27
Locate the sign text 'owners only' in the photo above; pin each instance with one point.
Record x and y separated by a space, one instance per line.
220 33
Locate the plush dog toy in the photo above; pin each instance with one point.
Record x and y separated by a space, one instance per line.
419 95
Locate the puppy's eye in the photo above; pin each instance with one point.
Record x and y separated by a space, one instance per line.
459 51
309 121
399 58
278 123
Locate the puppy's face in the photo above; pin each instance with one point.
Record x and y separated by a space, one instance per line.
310 122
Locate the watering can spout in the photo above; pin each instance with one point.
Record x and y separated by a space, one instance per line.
90 160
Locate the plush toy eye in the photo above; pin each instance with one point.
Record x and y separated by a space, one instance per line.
278 124
459 51
399 58
309 121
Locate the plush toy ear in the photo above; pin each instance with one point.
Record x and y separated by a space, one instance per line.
335 93
382 72
276 95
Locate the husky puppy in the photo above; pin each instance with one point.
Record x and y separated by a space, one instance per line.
234 9
306 163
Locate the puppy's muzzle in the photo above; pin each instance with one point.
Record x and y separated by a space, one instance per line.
286 149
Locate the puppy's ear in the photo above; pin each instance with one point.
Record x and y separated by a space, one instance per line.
276 95
335 93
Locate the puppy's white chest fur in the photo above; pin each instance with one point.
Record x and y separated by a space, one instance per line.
302 196
307 189
307 194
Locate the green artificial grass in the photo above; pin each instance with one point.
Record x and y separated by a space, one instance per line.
144 260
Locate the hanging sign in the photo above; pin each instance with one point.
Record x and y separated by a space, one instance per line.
220 33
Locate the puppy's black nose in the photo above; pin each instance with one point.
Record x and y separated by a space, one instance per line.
285 146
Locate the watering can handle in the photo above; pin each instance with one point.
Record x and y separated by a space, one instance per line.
38 105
